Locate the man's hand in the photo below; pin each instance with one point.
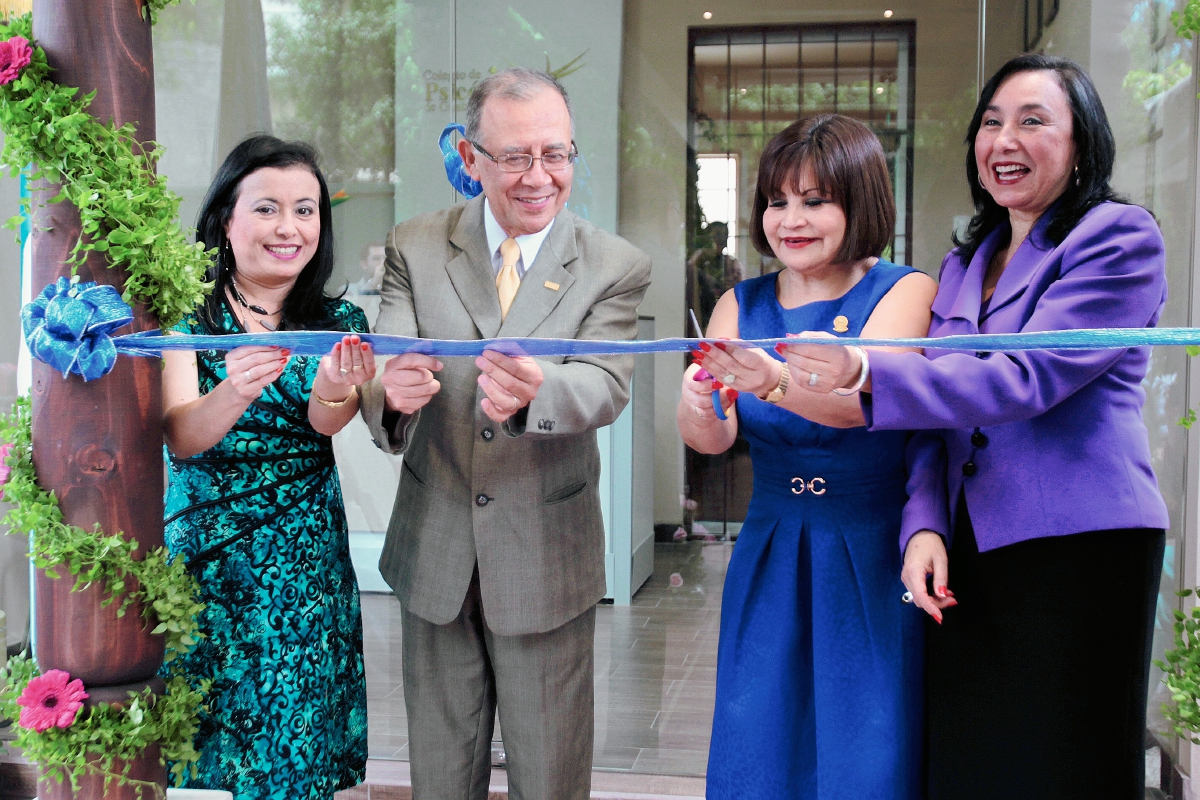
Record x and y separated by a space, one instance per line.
408 381
509 383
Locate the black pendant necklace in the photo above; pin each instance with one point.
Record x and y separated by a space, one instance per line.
237 295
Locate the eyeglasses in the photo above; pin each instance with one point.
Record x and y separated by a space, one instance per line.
519 162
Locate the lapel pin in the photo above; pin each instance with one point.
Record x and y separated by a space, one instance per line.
551 285
840 324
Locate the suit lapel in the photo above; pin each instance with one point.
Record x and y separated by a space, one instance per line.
471 270
965 303
1024 264
535 299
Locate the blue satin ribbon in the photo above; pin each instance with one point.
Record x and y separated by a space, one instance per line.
456 171
716 401
69 326
319 343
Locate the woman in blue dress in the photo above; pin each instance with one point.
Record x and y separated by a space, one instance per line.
819 667
254 504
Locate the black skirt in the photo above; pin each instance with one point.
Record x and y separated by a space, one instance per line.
1036 682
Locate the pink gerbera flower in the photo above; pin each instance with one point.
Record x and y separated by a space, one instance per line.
5 469
51 701
15 54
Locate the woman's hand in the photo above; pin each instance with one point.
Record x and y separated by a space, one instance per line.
821 368
334 400
740 369
925 556
698 387
351 362
250 369
699 426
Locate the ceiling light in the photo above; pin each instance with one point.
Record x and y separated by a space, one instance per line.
708 15
888 13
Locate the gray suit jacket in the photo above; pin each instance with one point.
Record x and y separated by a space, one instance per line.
522 500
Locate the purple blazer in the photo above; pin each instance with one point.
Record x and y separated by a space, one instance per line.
1066 449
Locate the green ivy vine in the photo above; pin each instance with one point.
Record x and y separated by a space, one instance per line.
169 597
1181 668
167 591
107 733
1187 21
127 212
128 215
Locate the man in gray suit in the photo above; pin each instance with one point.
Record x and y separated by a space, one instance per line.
496 544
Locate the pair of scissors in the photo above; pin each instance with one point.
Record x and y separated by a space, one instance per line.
703 374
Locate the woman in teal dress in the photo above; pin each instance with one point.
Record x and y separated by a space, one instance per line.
819 666
254 504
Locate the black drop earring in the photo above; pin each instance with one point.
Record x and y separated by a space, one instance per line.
1076 174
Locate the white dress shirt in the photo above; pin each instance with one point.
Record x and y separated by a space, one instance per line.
530 243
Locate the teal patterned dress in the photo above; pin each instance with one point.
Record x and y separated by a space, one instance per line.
260 520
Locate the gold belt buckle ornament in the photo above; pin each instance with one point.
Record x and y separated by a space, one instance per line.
811 486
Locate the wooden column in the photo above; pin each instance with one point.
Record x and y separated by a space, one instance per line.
97 445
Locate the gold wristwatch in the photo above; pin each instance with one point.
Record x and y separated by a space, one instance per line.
776 394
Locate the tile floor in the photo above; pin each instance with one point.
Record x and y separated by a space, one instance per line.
655 668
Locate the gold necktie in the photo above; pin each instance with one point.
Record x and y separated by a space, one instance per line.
507 281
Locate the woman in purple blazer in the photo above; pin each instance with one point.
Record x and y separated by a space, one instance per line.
1032 469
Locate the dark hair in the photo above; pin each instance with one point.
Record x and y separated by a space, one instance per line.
1095 151
849 165
304 306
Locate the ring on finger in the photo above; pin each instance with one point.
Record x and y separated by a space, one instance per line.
729 379
343 370
699 411
907 597
813 378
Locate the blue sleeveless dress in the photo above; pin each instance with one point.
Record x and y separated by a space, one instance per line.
819 667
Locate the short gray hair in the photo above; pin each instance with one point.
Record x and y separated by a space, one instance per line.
515 83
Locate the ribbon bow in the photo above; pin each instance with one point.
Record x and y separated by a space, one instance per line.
69 327
456 171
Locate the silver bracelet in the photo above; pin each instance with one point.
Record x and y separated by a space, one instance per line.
863 372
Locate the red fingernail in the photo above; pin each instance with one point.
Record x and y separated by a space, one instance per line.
947 591
705 346
718 385
779 348
722 347
366 347
937 618
287 352
940 591
952 603
733 394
